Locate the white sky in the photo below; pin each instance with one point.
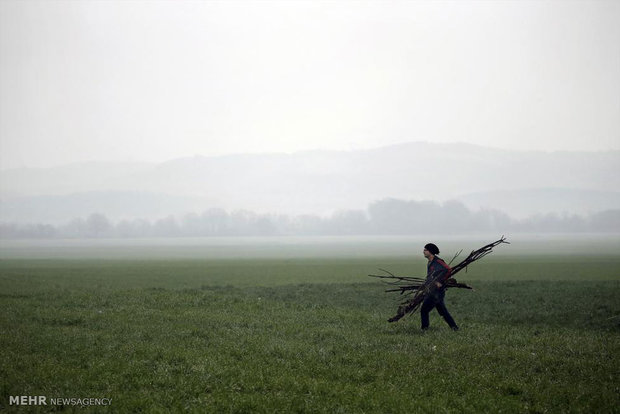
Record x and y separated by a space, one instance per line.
152 81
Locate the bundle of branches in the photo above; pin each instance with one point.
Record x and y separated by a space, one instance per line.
419 288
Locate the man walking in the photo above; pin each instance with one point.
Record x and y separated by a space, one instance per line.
438 271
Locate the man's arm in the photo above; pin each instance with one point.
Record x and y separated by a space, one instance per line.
444 273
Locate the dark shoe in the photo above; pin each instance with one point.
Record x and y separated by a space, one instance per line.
455 328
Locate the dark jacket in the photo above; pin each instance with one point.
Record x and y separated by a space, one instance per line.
438 271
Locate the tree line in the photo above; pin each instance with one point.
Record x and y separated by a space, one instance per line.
383 217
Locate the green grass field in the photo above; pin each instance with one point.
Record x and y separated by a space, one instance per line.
539 334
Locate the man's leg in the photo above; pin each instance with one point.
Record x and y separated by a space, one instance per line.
443 311
427 307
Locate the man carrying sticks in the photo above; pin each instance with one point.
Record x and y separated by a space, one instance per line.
439 272
430 292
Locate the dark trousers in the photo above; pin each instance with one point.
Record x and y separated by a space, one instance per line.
434 301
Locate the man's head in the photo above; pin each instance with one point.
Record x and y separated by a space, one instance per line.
430 250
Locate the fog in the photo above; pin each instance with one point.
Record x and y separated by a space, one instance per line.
149 114
483 183
377 249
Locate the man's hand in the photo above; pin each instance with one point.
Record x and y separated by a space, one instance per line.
438 285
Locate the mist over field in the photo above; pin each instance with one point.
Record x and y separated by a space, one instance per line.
460 187
282 248
301 117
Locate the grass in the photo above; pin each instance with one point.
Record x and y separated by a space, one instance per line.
539 334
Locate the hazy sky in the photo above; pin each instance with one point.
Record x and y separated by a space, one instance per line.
106 80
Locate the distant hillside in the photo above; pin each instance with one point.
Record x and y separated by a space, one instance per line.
116 205
528 202
323 181
66 179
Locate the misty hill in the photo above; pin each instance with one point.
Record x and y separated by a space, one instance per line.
117 205
321 182
529 202
66 179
